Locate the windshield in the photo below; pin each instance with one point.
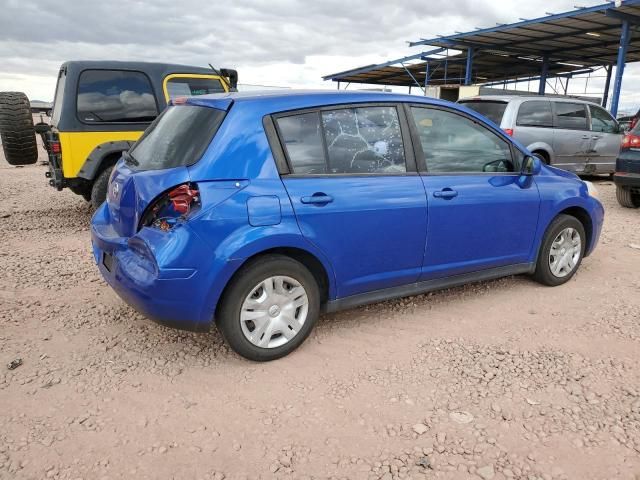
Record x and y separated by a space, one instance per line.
492 110
178 137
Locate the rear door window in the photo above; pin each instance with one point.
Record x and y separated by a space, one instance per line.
535 113
178 137
364 140
301 136
570 116
192 86
492 110
115 96
359 140
602 121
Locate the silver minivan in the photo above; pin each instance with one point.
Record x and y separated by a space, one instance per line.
567 133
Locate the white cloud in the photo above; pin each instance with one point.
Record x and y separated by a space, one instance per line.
282 42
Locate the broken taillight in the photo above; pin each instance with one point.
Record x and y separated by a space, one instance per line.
172 207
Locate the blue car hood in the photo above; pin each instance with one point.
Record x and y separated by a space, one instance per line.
562 173
130 193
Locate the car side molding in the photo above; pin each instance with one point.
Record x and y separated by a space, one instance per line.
426 286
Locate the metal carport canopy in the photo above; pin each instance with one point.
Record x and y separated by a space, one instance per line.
562 44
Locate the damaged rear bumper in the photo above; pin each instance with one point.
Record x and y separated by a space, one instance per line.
155 272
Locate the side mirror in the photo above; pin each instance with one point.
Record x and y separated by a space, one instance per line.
531 165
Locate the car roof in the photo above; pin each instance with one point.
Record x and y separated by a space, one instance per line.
282 100
508 98
148 67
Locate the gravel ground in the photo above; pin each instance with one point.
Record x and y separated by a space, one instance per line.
497 380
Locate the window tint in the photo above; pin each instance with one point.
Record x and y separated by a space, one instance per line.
571 116
453 143
364 140
191 87
492 110
601 121
535 113
115 96
358 140
178 137
302 139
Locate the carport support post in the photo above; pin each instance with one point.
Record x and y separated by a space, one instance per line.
543 74
467 73
607 84
622 54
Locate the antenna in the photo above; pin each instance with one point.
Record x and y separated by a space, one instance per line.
222 77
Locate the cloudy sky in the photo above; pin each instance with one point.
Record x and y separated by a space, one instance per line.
277 42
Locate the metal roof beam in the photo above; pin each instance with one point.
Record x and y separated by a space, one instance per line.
625 17
368 68
537 77
558 36
541 20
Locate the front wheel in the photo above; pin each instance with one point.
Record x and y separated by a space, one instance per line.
561 252
269 308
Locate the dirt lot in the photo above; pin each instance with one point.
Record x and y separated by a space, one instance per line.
498 380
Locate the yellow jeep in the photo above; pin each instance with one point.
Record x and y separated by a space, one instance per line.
100 109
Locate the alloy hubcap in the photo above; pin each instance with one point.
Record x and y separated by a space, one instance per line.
274 311
565 252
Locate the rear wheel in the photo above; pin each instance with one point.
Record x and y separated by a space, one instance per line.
99 188
561 252
16 129
269 308
627 198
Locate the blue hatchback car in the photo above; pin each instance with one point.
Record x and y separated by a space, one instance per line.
259 211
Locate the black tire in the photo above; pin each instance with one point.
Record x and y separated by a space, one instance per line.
16 129
626 198
543 272
99 188
245 280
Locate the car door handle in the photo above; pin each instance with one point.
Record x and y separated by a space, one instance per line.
446 193
586 137
317 199
595 137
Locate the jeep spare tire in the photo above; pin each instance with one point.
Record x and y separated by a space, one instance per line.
16 129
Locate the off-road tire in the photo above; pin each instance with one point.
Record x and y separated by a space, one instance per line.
627 198
100 187
16 129
543 273
240 286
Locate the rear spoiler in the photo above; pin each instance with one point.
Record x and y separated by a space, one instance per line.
232 75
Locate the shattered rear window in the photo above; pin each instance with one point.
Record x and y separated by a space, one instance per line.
364 140
356 140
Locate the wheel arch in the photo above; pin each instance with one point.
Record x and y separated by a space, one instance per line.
305 257
544 149
300 251
583 216
103 156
